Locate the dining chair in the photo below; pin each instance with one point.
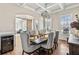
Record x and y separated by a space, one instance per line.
56 39
32 32
49 44
27 48
42 31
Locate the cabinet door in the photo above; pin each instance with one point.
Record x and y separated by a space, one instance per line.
10 43
4 45
73 49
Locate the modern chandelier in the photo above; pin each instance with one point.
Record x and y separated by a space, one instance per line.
45 14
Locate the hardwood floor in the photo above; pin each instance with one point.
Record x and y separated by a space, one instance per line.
62 48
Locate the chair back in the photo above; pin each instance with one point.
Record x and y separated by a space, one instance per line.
25 40
32 32
50 40
56 36
41 31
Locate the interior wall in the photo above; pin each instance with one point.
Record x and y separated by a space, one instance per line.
56 20
56 17
8 12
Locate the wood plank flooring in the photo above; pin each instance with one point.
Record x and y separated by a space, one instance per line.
62 48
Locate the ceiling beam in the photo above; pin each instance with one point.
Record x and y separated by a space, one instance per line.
57 11
61 6
42 7
73 6
51 6
25 6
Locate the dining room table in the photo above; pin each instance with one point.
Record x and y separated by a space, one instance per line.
38 39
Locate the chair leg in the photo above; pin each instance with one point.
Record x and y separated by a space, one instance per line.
51 50
48 52
56 45
23 52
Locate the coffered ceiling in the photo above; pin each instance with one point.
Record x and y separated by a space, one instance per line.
50 7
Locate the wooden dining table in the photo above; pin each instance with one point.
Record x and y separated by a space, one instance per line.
39 38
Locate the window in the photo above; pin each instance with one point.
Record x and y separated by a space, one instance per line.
20 24
65 23
42 25
48 24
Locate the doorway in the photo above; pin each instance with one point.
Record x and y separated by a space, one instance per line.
29 24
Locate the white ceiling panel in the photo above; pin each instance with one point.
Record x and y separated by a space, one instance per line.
32 5
50 7
48 4
54 8
69 4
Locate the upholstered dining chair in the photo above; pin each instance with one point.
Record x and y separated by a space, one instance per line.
41 31
27 48
32 32
49 44
56 39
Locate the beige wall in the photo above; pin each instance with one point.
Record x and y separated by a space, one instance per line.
9 11
56 17
7 16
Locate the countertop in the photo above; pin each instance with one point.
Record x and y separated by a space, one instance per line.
6 33
73 39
